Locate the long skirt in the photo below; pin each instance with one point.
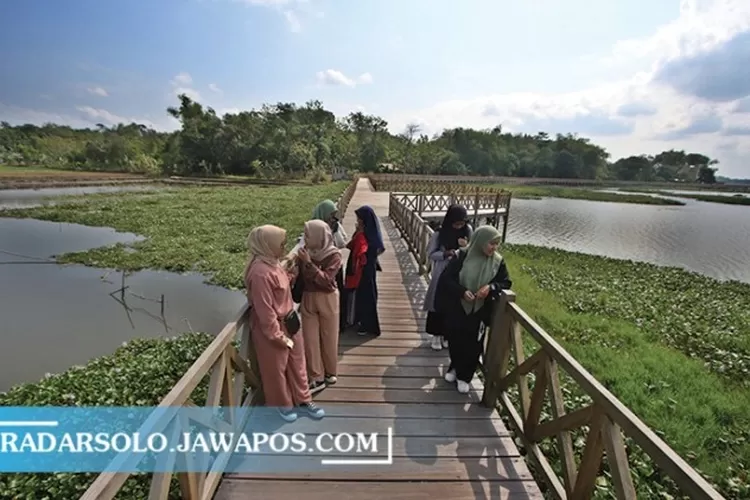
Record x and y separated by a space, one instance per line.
366 305
434 324
343 301
465 347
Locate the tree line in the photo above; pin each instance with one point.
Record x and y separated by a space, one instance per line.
289 140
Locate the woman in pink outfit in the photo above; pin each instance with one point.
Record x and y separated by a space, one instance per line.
281 358
320 262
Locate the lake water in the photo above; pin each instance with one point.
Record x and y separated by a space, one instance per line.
26 198
53 317
708 238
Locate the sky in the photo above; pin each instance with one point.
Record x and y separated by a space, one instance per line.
635 76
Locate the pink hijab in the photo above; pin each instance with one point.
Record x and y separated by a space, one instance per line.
261 244
319 240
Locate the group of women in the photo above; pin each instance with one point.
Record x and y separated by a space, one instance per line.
298 351
468 275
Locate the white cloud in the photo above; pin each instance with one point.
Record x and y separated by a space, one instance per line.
291 10
701 25
97 91
365 78
214 88
293 20
635 115
182 84
182 79
333 77
99 115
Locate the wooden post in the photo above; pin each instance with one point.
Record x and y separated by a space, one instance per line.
495 218
505 218
498 349
476 207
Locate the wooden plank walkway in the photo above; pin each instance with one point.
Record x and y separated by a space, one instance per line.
445 444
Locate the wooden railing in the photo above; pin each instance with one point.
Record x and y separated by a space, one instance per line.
493 206
343 202
380 181
233 383
231 362
505 367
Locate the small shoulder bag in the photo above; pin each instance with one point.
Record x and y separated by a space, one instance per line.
292 322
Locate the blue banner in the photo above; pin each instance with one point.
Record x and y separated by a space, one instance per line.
189 439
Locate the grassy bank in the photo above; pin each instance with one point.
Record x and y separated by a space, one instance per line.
189 229
140 373
536 192
16 170
673 346
712 198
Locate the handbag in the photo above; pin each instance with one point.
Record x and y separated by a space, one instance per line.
292 322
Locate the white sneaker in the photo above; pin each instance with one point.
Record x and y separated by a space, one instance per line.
445 342
450 376
437 343
463 387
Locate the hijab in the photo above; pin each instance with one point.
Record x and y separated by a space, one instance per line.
323 210
319 240
448 236
261 244
372 227
478 269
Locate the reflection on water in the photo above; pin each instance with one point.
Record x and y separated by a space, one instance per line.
54 317
709 238
26 198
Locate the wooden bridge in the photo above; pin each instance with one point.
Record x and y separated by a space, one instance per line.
445 444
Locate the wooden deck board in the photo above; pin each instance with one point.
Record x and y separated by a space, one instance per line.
435 426
445 444
368 350
303 466
429 447
379 411
241 489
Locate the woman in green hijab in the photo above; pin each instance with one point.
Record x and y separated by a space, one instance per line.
327 212
466 292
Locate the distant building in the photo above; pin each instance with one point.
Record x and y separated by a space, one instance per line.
389 168
339 173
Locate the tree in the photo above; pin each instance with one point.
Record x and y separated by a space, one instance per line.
291 140
707 175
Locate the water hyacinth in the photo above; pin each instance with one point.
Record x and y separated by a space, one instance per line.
139 374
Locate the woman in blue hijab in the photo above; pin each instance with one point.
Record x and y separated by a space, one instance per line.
361 270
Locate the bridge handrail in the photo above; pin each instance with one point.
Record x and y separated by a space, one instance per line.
606 417
379 180
234 373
